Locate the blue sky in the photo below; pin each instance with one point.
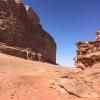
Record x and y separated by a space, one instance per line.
68 21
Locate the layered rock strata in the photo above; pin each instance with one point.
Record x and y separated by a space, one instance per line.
20 27
88 52
20 52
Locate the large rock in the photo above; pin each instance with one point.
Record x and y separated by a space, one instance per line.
98 35
88 52
81 84
20 27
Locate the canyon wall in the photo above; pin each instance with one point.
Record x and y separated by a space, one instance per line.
20 27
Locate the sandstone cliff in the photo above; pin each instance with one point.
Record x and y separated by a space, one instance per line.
20 28
88 52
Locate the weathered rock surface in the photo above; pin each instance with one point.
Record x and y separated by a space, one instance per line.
20 27
88 52
33 17
82 84
19 52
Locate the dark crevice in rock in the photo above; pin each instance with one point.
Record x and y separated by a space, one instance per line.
69 92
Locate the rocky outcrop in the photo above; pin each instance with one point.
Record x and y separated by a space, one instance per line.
88 52
22 53
80 84
20 27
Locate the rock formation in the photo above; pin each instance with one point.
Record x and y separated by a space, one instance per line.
22 35
20 29
88 52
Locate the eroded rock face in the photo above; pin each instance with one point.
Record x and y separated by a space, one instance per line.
88 52
98 35
81 84
33 17
20 27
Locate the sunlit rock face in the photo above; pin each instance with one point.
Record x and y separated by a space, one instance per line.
98 35
33 17
18 1
88 52
20 27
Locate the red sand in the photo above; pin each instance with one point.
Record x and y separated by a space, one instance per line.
30 80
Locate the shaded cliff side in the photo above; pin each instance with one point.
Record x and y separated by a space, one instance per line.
20 27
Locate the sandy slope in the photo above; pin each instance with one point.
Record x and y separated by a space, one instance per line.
28 80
